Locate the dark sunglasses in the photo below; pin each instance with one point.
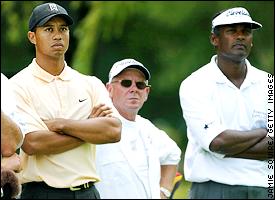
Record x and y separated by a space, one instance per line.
127 83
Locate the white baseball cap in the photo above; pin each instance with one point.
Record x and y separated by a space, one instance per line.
234 16
128 63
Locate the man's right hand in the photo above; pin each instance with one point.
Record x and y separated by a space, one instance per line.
101 110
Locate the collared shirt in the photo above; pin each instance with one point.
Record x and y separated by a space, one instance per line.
131 167
70 95
212 104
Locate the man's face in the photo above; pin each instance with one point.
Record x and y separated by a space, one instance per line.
51 39
234 41
128 99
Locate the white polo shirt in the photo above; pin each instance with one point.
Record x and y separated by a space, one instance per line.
212 104
130 168
8 105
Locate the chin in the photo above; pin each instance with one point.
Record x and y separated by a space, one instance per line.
133 106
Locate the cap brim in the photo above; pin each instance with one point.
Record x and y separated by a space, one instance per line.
144 70
68 19
254 25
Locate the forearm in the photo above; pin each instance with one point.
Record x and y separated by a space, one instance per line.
168 173
11 135
48 142
231 142
97 130
263 150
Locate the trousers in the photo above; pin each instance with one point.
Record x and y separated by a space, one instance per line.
40 190
214 190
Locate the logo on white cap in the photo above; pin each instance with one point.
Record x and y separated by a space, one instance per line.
234 16
123 64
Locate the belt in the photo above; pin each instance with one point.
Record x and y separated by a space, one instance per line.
75 188
83 186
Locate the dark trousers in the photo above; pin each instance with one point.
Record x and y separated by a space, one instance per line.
214 190
40 190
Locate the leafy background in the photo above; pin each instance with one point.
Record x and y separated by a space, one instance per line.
171 38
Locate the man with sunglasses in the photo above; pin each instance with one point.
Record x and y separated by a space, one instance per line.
144 163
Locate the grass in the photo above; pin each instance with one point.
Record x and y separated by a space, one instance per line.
182 191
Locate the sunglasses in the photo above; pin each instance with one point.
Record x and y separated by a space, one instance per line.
127 83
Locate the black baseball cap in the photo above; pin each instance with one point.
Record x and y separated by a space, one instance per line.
41 14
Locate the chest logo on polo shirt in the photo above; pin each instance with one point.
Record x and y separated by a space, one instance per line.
81 100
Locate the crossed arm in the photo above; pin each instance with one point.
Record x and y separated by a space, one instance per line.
242 144
66 134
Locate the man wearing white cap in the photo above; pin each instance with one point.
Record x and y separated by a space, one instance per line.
225 107
144 163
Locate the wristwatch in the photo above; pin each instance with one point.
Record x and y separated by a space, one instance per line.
166 192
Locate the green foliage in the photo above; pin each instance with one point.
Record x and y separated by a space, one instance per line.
14 13
86 34
183 190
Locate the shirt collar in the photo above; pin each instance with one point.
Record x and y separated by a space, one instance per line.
44 75
221 78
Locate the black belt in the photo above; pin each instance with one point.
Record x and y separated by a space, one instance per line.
75 188
83 186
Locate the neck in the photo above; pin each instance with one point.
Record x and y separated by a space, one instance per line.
54 66
234 71
128 115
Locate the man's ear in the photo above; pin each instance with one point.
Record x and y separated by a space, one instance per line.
109 89
214 39
147 93
31 37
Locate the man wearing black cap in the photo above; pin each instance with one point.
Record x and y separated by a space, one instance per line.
58 157
225 106
43 13
144 163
